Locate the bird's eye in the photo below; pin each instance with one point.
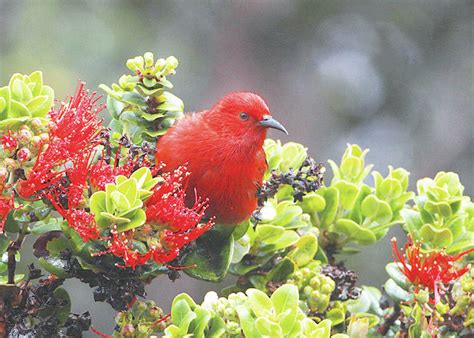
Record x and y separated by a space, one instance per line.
244 116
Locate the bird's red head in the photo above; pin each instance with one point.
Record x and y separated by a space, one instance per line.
244 115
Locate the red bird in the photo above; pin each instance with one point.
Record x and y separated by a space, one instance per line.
222 149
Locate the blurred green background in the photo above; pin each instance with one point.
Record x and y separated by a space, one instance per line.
394 76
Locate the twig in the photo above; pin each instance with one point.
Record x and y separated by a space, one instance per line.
390 320
12 250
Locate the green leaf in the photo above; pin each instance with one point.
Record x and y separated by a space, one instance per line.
138 219
286 212
376 209
54 265
149 82
98 205
440 237
129 189
241 248
200 323
321 330
336 316
259 302
441 208
211 257
170 102
293 154
396 292
358 327
305 250
282 270
394 272
56 245
241 229
247 321
369 318
347 194
119 201
268 328
37 103
285 303
312 202
216 328
134 98
63 310
184 296
412 219
353 230
268 233
18 109
179 312
114 107
288 238
42 227
331 195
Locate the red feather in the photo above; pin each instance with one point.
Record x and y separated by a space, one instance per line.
224 154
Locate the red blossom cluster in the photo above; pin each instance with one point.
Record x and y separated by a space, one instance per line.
73 136
63 164
429 269
179 225
64 172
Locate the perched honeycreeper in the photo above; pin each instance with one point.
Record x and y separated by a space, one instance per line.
222 148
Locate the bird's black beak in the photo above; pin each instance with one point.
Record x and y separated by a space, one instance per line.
269 122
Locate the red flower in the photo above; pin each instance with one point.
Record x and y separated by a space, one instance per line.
73 135
83 223
77 176
120 245
177 224
103 173
166 208
8 142
428 269
78 219
6 205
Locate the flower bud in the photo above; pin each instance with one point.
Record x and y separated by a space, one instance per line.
120 317
155 312
36 142
44 137
442 308
423 296
327 288
36 124
138 308
315 295
10 164
24 154
24 135
233 328
128 330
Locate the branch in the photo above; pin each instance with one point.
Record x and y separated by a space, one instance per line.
12 250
